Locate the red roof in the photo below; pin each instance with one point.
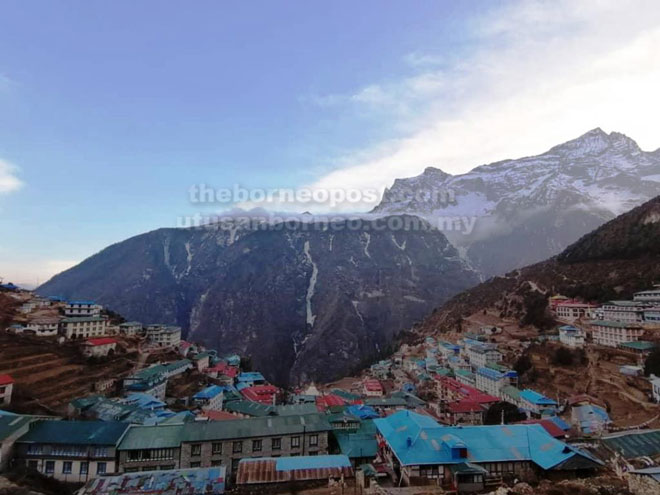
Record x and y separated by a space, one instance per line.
6 380
260 393
469 393
373 385
214 415
550 426
464 406
325 401
223 369
101 341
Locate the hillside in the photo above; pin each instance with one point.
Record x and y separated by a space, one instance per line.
617 259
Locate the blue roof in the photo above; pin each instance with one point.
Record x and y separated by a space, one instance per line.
490 373
568 328
560 422
82 302
250 376
591 418
312 462
75 432
534 397
208 392
362 412
416 440
145 401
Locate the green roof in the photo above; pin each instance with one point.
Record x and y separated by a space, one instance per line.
178 364
614 324
385 401
10 424
75 432
411 399
292 409
153 437
511 391
361 443
344 394
634 444
465 373
249 408
640 345
497 367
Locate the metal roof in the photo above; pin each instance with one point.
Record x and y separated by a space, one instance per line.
152 437
533 397
634 443
75 432
287 469
208 393
10 424
360 443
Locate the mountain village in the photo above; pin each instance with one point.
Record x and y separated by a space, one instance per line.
457 415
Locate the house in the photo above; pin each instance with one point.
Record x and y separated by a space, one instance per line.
624 311
163 482
249 409
71 451
12 426
372 388
264 394
537 403
271 470
652 296
99 347
209 398
250 378
464 412
467 458
152 381
214 443
164 335
201 361
358 444
82 308
233 360
590 418
466 377
571 336
223 372
613 333
641 347
651 316
84 327
480 354
131 328
386 403
571 310
491 381
451 390
44 326
655 387
6 389
177 367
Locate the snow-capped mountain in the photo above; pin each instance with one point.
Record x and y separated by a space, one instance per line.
511 213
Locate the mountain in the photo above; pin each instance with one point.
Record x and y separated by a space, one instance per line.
614 261
306 300
527 210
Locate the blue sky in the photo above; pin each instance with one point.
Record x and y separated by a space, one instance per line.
109 111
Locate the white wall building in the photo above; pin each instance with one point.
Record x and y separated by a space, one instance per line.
131 328
6 389
84 327
613 333
164 335
99 347
655 385
573 310
652 296
82 308
627 311
571 336
43 327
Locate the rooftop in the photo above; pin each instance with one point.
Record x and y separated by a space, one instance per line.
6 379
75 432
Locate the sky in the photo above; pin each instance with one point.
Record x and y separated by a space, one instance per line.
111 111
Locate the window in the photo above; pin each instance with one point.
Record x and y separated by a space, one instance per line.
295 442
50 467
237 447
84 467
216 463
33 465
256 445
195 464
100 468
196 449
167 467
276 444
216 448
66 467
313 439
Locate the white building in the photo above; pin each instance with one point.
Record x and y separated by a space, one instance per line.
652 296
481 354
131 328
652 316
492 381
614 333
82 308
164 335
210 398
627 311
84 327
99 347
574 310
6 389
571 336
655 385
43 327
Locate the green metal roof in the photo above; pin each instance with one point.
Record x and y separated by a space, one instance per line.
511 391
153 437
385 401
249 408
10 424
614 324
344 394
361 443
640 345
293 409
634 444
75 432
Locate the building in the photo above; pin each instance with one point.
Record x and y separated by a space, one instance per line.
651 316
99 347
84 327
201 361
170 482
464 412
164 335
466 458
177 367
71 451
625 311
537 403
372 388
12 427
223 372
82 308
480 354
131 328
571 310
655 387
46 326
271 470
209 398
614 333
214 443
264 394
571 336
6 389
250 379
652 296
492 381
590 418
152 381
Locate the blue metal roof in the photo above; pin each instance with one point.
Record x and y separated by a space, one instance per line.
534 397
591 418
417 440
362 412
560 422
250 376
145 401
490 373
75 432
208 392
312 462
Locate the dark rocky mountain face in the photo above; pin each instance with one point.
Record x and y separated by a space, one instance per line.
612 262
307 302
530 209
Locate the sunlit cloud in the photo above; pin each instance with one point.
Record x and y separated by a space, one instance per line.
9 181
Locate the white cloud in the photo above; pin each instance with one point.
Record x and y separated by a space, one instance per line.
9 182
541 73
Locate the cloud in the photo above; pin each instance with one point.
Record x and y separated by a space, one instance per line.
537 74
30 272
9 182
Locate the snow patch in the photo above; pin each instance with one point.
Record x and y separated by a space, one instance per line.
401 246
312 285
355 306
366 246
414 299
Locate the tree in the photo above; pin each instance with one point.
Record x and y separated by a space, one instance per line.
563 357
511 414
522 365
246 363
652 363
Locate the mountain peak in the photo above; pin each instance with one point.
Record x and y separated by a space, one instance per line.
435 171
595 142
